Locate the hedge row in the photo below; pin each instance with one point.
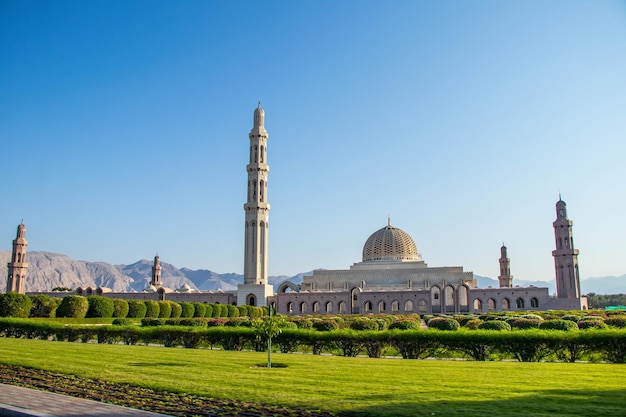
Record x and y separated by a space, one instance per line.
20 305
524 345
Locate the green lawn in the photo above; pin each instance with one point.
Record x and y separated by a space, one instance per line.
360 386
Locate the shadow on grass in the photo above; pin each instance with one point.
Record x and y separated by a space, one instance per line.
550 403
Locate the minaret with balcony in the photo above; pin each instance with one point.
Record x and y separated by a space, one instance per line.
565 256
256 288
17 267
505 277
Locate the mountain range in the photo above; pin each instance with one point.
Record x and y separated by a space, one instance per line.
49 270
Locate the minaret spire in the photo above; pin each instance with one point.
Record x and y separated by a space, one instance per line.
255 271
565 256
17 266
505 278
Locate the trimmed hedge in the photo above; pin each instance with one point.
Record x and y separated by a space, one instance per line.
13 304
187 309
100 306
165 309
44 306
136 309
73 306
523 345
558 324
443 323
120 308
152 308
495 325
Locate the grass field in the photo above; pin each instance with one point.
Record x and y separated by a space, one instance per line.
360 386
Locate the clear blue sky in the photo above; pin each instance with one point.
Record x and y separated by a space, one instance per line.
124 129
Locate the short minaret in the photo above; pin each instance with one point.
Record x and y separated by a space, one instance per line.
505 277
256 289
156 273
565 256
17 266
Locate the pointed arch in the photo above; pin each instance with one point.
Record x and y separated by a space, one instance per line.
408 305
478 304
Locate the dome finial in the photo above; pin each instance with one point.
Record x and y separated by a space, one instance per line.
388 219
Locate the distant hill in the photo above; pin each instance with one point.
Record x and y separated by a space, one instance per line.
49 270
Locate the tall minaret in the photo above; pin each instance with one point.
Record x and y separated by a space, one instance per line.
17 266
505 278
257 215
565 256
156 273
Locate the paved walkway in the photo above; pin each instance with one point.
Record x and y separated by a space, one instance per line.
25 402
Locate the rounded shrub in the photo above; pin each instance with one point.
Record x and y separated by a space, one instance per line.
122 322
616 321
363 323
120 308
233 311
165 309
216 310
100 306
152 309
177 309
243 311
13 304
44 306
302 322
473 324
495 325
592 324
521 323
325 325
195 322
187 310
136 309
463 320
199 310
572 317
208 310
532 317
558 324
443 323
73 306
151 322
406 324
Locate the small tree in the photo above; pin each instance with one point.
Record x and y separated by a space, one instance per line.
73 306
13 304
267 329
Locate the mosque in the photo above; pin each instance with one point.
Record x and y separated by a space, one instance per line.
391 277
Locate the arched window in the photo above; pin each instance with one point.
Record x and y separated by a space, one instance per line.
316 307
478 305
463 299
408 306
395 306
368 306
19 257
520 303
560 243
262 153
342 307
262 190
448 294
256 152
303 307
329 307
491 304
506 304
381 307
251 300
290 307
422 306
534 302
